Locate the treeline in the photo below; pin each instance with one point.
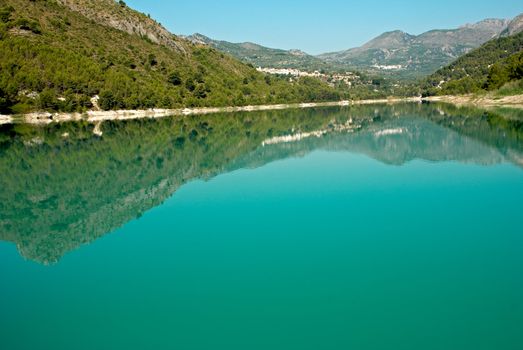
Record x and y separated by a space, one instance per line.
55 59
487 68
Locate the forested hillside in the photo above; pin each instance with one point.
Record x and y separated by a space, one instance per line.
490 67
58 55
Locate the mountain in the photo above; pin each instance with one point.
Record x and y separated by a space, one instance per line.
514 27
410 56
489 67
261 56
59 54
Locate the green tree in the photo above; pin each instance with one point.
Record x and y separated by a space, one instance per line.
107 100
47 100
4 102
497 77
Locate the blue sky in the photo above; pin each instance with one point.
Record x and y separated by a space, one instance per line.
318 26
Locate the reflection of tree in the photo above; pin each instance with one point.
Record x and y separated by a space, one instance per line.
62 187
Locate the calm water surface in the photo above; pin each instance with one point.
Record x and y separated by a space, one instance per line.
363 228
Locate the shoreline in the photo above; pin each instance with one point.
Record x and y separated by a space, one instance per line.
92 116
44 118
514 101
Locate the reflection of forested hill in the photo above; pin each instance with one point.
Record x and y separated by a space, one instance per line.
59 193
63 187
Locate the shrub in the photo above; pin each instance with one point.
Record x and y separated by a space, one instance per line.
107 100
5 13
26 24
175 79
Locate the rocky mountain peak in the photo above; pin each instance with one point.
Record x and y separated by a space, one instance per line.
514 27
492 24
389 40
198 39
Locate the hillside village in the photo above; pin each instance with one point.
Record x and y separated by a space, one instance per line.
348 78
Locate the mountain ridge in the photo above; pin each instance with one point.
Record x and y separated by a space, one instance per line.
417 55
395 52
514 27
262 56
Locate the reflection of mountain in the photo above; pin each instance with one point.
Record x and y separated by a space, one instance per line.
394 141
432 133
63 187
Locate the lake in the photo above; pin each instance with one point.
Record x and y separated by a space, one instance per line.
370 227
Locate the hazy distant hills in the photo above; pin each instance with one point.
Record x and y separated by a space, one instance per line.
261 56
398 53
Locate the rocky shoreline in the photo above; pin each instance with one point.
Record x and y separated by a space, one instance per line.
515 101
42 118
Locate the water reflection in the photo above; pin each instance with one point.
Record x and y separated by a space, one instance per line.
63 187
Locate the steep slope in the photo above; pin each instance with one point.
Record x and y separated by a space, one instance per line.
57 55
261 56
413 56
125 19
487 68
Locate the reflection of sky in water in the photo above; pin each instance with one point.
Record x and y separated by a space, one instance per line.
332 248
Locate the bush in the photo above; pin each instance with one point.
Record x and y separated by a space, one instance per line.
511 89
26 24
47 100
107 100
5 13
175 79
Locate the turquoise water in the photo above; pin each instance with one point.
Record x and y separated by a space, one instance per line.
402 233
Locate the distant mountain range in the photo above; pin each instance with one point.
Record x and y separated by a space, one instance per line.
418 55
395 52
261 56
